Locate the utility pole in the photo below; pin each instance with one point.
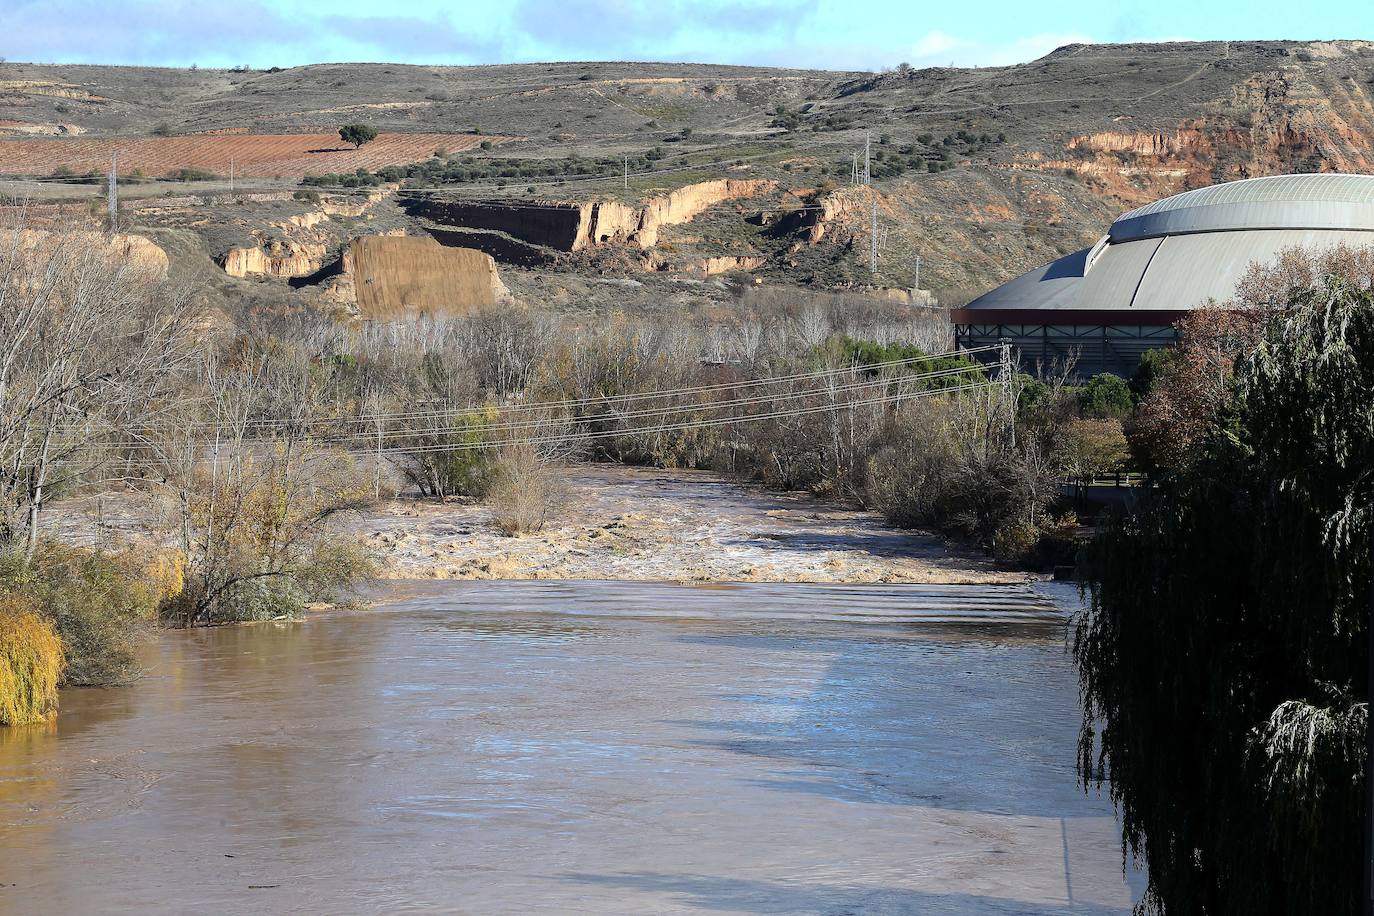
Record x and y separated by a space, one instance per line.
873 242
1004 372
627 173
112 192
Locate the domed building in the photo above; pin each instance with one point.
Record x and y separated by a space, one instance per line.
1111 302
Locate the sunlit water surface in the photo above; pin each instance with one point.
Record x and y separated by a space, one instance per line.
592 747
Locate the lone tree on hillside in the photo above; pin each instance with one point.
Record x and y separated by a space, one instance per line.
357 134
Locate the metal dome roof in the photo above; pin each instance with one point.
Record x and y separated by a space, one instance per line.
1316 201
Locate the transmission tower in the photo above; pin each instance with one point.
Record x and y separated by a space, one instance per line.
916 274
112 191
868 144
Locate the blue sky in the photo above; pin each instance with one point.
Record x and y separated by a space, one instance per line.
837 34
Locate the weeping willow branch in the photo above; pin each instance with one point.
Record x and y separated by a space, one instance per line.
1222 661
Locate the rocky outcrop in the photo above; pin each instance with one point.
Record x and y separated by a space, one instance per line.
1281 121
350 205
706 267
573 226
281 259
392 277
307 220
138 251
686 204
119 248
50 89
725 264
813 216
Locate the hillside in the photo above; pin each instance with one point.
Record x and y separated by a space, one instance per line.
981 172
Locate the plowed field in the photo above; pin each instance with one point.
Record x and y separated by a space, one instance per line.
251 155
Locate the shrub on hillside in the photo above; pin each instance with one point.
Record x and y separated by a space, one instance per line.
190 174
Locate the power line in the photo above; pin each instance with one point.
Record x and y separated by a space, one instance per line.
622 416
656 394
697 424
510 425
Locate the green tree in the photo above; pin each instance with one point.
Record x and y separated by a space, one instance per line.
1222 660
357 134
1105 395
1151 368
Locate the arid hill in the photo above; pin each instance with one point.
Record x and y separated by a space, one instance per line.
659 176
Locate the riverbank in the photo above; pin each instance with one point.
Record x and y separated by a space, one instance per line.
624 524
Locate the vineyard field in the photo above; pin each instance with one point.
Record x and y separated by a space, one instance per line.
248 155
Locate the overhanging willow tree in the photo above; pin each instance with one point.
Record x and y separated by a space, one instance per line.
1222 660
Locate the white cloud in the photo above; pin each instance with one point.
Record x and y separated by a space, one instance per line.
938 44
937 49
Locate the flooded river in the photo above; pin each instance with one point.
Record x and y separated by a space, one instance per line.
588 747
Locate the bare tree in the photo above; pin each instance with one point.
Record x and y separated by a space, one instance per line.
90 342
255 492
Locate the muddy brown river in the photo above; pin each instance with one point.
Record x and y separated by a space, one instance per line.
578 747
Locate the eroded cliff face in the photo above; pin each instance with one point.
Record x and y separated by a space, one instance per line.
298 245
138 252
813 215
572 226
1288 120
686 204
281 259
393 277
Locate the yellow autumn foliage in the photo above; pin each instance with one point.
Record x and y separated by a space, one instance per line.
163 576
31 662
